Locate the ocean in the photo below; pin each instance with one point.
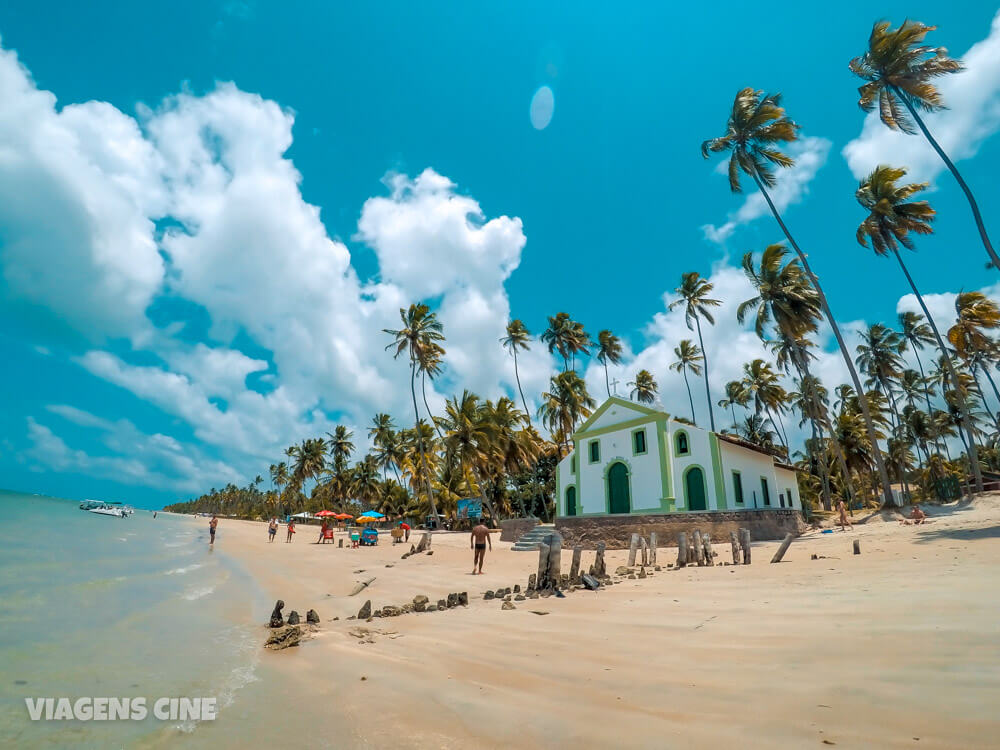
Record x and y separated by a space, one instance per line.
97 606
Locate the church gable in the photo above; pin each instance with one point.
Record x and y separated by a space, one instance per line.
616 411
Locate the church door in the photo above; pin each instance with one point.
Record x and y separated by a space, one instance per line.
571 501
694 489
618 496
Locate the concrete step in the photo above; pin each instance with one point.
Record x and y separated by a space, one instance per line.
530 540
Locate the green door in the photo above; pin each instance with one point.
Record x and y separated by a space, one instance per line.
694 489
618 489
571 501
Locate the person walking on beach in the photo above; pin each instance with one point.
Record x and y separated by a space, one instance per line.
212 526
291 530
844 520
272 529
480 538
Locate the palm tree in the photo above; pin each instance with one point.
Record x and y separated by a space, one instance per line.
565 403
757 125
429 364
977 314
310 460
517 337
421 329
365 483
890 220
898 67
811 400
383 434
735 396
609 349
689 357
644 388
755 430
279 475
693 293
558 336
340 447
917 333
761 384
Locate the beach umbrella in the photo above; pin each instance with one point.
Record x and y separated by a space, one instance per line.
324 513
366 519
373 514
343 516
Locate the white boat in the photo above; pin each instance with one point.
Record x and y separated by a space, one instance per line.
119 510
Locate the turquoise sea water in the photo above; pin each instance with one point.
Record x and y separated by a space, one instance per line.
105 607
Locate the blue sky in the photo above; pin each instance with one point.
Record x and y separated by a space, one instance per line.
200 250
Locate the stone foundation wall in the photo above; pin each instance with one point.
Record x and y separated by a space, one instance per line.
616 531
514 528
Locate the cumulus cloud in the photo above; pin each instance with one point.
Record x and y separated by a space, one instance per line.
810 155
973 114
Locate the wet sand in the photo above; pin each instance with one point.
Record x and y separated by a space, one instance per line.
896 647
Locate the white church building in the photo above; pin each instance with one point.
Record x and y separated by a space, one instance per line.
628 458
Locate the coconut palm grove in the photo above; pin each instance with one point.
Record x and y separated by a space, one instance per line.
914 414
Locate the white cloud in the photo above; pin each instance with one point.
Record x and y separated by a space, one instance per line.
973 98
793 184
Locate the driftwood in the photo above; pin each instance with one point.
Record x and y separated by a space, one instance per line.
857 546
735 543
783 548
633 545
361 586
699 548
652 548
682 549
745 544
425 542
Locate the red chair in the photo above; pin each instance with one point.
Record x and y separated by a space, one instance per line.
328 534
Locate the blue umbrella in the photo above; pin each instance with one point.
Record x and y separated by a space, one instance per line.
373 514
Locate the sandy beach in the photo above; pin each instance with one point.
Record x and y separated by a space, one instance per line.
896 647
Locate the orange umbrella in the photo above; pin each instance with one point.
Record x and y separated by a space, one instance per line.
343 516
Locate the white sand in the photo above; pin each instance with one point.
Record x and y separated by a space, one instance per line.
897 647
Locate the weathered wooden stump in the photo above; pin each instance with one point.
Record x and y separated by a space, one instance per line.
706 540
341 543
555 561
645 551
425 542
543 565
745 544
574 567
652 548
633 546
857 546
600 569
699 548
682 549
735 543
783 548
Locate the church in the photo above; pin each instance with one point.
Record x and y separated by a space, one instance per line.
630 459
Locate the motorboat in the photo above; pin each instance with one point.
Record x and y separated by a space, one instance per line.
88 504
119 510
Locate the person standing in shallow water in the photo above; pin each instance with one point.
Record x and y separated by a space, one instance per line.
212 526
480 538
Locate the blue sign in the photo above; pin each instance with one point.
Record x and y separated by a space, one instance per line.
470 507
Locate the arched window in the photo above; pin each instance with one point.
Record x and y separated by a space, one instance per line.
681 442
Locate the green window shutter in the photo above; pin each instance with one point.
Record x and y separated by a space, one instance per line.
766 492
738 486
638 442
595 451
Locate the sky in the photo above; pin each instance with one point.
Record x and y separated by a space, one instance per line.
210 210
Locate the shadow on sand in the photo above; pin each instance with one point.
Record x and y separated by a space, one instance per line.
932 534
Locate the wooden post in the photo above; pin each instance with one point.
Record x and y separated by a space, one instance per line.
652 548
735 542
555 561
682 549
543 566
600 571
341 543
633 545
645 551
699 548
783 548
857 546
574 568
745 544
706 540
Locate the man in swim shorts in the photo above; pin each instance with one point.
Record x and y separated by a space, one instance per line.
480 539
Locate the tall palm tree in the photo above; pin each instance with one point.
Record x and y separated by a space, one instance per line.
735 396
757 126
565 403
915 330
310 460
644 388
279 475
517 337
340 447
579 341
609 349
559 336
429 364
891 218
976 314
811 399
760 381
382 433
898 67
421 329
364 482
693 293
689 357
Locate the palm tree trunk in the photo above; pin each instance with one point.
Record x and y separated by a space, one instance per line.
866 413
690 400
732 409
927 394
704 356
986 371
824 476
979 389
961 183
423 393
420 439
962 406
607 382
517 377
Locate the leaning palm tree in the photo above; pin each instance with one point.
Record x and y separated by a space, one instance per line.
644 388
609 349
756 128
689 357
564 404
976 314
693 293
421 330
517 337
891 218
917 333
898 67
